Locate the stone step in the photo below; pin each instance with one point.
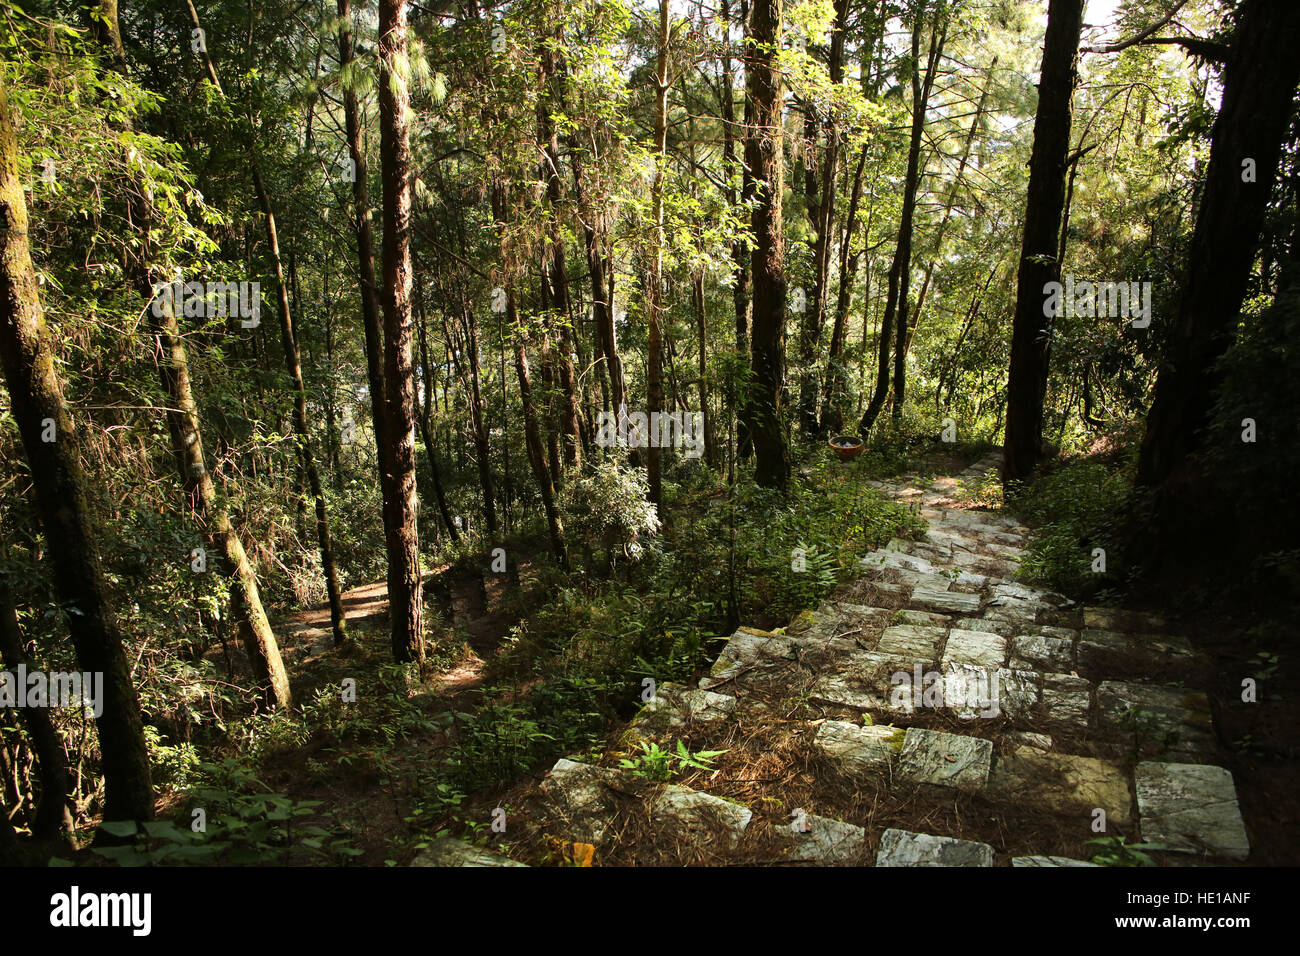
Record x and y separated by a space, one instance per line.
1191 808
968 641
905 848
450 851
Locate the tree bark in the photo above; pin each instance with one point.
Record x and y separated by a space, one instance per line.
555 271
739 249
1031 330
763 155
654 280
370 305
822 211
186 435
293 365
900 268
56 812
397 455
920 102
36 402
1259 81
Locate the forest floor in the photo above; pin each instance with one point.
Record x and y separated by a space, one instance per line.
931 712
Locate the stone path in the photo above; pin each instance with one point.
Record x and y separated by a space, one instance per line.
936 707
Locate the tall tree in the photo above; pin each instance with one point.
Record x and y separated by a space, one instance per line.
397 455
370 305
301 427
38 408
555 272
655 276
820 195
763 156
893 325
1259 81
739 248
56 812
185 432
1031 330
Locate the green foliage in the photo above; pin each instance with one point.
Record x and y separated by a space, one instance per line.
1116 851
496 744
1147 732
244 824
609 504
659 765
1073 509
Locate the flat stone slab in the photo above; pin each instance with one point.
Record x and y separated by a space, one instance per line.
841 690
970 691
760 656
890 558
578 795
945 760
1021 592
1065 781
1180 715
905 848
916 642
1116 619
1191 808
702 816
1022 613
1067 699
1006 629
675 705
821 841
748 646
1045 653
450 851
1101 649
859 749
920 618
1048 861
924 582
948 602
974 647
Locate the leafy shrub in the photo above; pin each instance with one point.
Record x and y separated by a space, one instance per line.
1075 508
244 824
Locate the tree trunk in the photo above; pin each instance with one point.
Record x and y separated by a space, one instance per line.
293 364
1027 380
822 212
397 454
654 280
763 155
1259 82
424 415
56 812
186 435
937 247
555 272
37 404
370 305
703 383
920 101
739 249
900 267
832 418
